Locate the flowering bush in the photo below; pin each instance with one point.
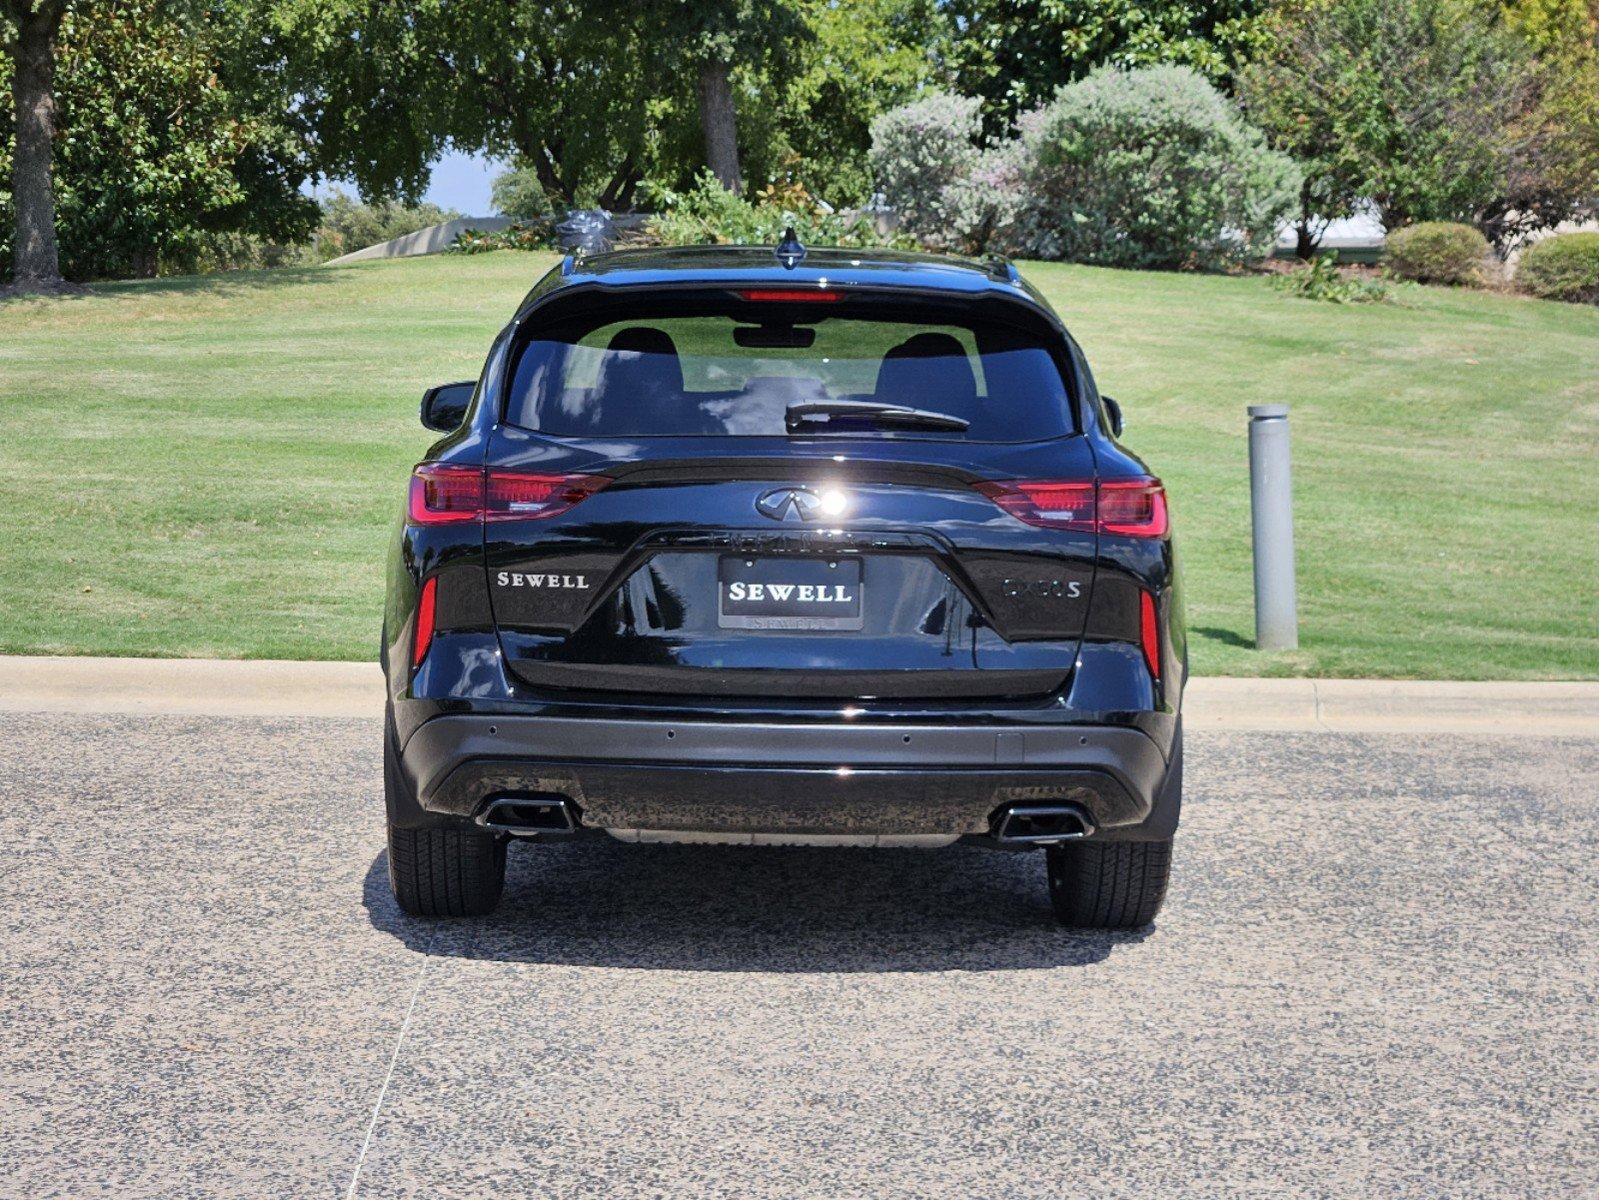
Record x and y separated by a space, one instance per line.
948 192
530 235
1149 168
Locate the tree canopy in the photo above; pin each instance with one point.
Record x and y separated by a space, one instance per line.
1431 110
155 149
1015 54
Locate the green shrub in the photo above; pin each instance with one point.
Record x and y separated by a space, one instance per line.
1564 267
518 194
710 214
1149 168
1320 279
1437 252
524 235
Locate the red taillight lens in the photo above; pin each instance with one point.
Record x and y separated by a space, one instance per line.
1052 505
1132 507
423 637
790 295
1124 507
442 495
1149 632
513 496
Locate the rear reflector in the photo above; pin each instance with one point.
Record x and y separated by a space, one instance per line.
424 621
1149 632
790 295
1123 507
444 495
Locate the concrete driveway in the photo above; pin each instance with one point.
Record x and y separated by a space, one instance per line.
1376 976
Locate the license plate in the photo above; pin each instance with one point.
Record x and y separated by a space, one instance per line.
789 593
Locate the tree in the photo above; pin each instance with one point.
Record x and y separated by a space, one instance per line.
719 119
587 95
1433 110
1556 174
566 88
1297 88
156 156
860 60
1015 54
753 37
28 35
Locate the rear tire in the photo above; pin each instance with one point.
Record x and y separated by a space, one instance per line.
446 872
437 870
1108 885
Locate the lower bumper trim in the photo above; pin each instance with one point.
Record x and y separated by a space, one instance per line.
877 781
698 837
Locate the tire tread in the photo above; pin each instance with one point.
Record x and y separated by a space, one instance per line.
446 872
1108 885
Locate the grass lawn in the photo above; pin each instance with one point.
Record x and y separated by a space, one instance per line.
210 466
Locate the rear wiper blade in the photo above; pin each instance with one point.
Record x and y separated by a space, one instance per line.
887 414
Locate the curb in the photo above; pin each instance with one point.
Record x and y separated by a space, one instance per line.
258 688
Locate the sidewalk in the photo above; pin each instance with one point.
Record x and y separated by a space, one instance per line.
212 687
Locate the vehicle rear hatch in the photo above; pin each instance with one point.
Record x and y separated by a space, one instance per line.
718 538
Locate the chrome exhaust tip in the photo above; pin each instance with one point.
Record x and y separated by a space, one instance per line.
1041 824
529 814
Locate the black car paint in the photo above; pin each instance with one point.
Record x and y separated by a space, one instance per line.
1084 671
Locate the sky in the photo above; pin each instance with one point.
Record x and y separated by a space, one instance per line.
460 181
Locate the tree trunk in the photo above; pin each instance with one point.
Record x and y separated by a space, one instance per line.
1305 238
543 160
719 124
618 191
36 261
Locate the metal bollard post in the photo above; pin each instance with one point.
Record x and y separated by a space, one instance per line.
1272 506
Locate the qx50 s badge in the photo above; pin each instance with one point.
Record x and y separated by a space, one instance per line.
519 579
1042 589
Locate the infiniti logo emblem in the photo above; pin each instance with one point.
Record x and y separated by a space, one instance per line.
790 504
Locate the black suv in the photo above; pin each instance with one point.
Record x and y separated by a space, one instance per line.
756 546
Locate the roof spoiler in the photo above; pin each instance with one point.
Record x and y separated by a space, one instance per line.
1001 270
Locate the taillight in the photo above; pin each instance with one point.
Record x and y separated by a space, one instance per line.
1132 507
514 496
423 638
1052 505
1124 507
442 495
1149 632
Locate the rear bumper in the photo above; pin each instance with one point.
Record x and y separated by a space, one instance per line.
824 779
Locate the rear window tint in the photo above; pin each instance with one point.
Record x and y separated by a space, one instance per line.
739 374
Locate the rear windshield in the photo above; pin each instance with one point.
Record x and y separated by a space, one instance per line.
787 370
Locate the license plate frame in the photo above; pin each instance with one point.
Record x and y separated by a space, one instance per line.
792 610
